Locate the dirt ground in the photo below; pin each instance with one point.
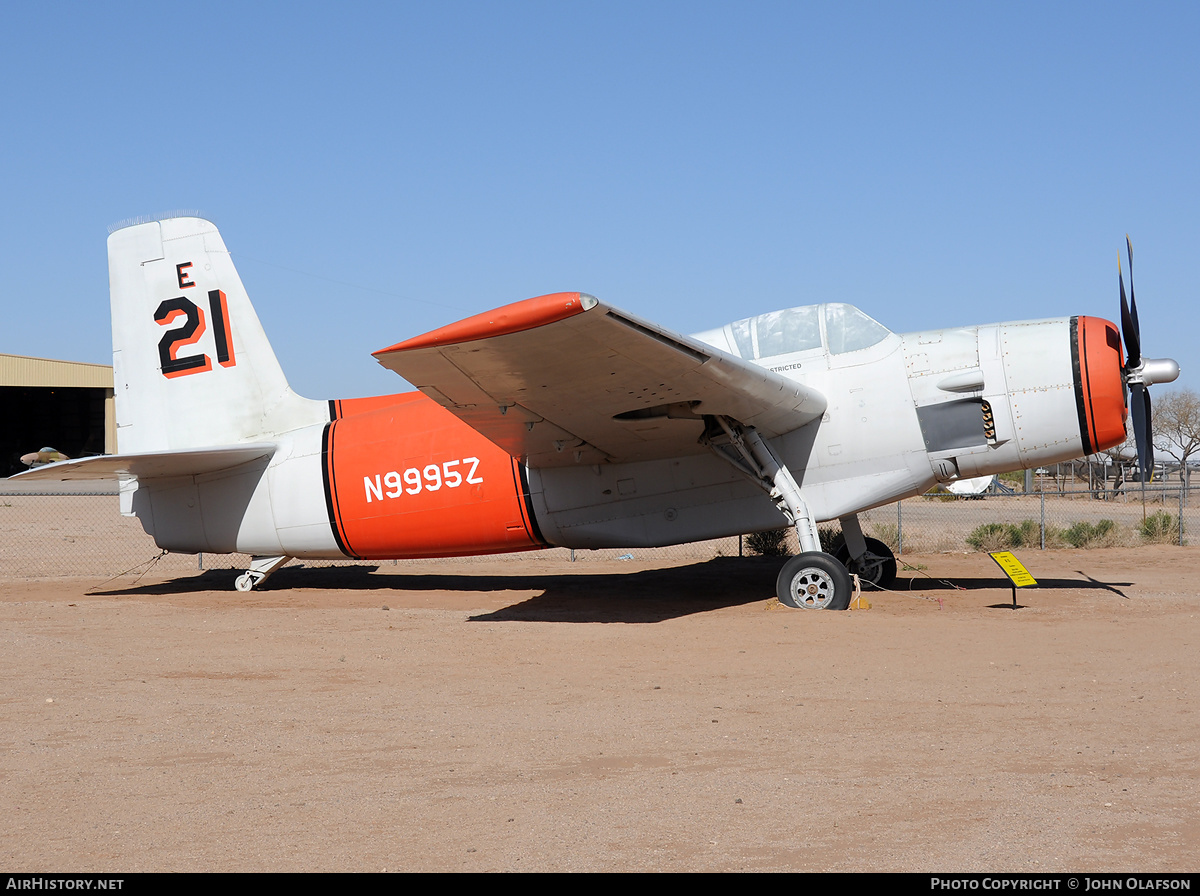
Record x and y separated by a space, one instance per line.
548 716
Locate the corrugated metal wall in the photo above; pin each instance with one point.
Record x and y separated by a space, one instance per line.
18 370
19 374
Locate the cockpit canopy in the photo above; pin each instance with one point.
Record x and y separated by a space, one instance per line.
838 327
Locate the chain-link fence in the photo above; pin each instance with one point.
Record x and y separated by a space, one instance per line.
1048 519
80 532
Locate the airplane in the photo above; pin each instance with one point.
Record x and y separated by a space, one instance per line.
970 488
45 456
564 421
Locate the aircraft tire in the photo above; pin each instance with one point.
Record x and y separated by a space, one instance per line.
878 568
244 582
814 580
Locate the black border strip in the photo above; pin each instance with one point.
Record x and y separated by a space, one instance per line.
1079 372
330 488
534 529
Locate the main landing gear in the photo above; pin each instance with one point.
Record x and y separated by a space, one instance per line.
820 581
815 579
876 567
868 558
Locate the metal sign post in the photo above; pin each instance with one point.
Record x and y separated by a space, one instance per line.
1017 574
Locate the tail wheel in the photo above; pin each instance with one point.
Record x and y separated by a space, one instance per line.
877 566
814 581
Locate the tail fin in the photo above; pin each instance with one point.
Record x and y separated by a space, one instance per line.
191 363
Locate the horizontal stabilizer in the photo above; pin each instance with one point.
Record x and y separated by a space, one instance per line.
153 465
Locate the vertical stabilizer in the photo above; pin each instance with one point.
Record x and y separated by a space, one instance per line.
191 363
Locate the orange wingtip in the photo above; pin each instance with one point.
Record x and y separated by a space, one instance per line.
512 318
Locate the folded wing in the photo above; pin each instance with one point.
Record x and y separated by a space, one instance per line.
565 379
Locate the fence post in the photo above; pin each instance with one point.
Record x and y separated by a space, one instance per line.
1043 494
899 530
1181 516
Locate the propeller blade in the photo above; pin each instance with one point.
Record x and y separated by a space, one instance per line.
1129 326
1139 406
1137 326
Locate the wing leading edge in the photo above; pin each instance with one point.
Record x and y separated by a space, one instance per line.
564 379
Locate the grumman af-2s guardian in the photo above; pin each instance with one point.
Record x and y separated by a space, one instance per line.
563 421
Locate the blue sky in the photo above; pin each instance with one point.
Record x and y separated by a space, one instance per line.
378 170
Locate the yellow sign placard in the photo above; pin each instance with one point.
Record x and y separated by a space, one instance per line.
1012 567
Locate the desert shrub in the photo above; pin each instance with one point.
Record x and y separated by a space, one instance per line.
1091 535
1029 534
991 537
1160 528
1056 537
831 538
772 543
888 533
1002 536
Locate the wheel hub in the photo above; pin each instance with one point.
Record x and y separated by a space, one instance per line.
813 588
869 568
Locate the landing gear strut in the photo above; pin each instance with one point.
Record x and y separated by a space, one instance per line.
868 558
814 579
259 571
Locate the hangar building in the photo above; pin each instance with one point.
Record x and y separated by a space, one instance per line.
65 405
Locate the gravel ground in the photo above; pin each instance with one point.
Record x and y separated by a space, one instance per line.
550 717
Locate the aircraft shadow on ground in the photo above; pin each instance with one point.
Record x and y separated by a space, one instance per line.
1085 582
651 595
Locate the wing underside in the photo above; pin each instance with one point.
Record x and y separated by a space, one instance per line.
565 379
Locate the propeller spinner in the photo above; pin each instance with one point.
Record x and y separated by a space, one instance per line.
1139 372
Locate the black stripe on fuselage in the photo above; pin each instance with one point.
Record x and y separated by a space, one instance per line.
534 529
330 487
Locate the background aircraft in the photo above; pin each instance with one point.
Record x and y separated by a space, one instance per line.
563 421
45 456
976 485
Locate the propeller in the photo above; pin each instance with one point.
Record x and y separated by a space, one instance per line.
1139 372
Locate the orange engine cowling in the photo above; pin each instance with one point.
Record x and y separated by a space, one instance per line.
404 478
1099 384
